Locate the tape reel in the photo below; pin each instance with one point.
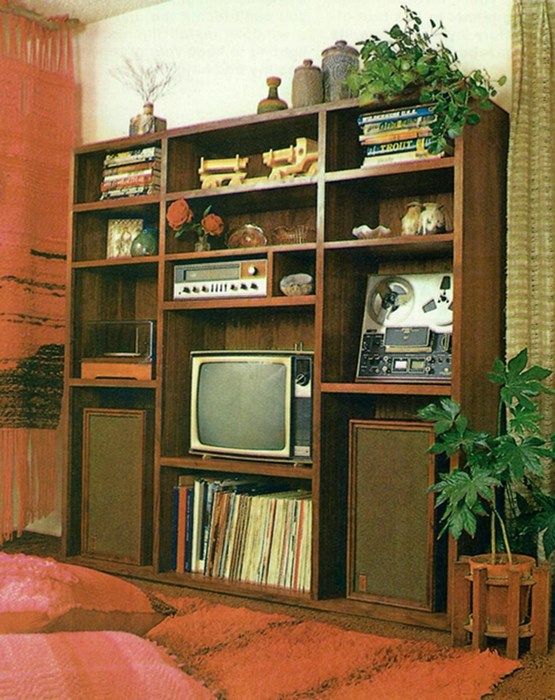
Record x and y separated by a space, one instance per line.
391 297
421 299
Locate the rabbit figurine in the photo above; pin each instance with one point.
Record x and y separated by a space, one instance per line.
432 219
410 222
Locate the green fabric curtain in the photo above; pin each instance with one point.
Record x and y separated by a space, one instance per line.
531 188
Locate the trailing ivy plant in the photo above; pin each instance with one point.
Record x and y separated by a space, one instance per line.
511 462
412 59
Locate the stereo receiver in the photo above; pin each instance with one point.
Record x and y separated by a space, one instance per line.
220 279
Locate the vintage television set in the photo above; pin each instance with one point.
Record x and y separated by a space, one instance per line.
252 405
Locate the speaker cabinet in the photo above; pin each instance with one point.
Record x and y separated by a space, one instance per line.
117 491
391 514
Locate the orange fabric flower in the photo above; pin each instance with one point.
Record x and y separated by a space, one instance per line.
212 224
179 213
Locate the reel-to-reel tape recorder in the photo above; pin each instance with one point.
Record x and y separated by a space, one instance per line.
406 330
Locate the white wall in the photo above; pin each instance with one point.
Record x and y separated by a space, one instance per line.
225 49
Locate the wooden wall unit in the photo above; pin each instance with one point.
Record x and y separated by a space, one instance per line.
470 184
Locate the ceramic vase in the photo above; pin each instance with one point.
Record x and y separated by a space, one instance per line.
337 62
273 102
308 87
432 219
146 122
146 243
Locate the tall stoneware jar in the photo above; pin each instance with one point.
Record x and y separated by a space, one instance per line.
308 87
337 62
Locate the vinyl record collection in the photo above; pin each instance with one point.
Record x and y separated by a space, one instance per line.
131 173
397 135
244 530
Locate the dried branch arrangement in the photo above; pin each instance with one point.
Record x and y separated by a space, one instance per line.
150 82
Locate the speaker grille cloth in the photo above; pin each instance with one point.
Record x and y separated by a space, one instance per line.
391 512
115 486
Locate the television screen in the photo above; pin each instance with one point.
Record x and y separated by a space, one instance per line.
243 405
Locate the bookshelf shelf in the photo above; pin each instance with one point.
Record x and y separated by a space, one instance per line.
201 464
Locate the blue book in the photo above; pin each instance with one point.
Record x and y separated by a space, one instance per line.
189 528
394 114
175 511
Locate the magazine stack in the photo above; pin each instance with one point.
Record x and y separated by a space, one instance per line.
131 173
398 135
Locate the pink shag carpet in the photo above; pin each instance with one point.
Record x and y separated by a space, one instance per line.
246 654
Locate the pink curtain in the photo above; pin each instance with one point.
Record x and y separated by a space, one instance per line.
37 98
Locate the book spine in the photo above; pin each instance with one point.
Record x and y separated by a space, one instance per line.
206 523
417 144
268 537
395 135
132 181
409 156
181 529
123 174
214 532
189 497
198 501
307 549
300 534
175 511
132 168
392 124
132 156
391 114
243 536
130 191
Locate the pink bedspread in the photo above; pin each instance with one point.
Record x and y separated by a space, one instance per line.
91 665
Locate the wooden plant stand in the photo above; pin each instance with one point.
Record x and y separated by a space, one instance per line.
469 609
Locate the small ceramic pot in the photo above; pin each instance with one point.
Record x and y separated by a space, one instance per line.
308 87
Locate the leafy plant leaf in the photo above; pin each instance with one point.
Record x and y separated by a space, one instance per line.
512 459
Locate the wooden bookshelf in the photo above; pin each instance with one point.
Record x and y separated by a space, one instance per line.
470 184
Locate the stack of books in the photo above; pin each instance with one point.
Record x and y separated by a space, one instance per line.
131 173
397 135
243 530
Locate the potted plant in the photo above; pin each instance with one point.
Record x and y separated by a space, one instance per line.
500 474
412 61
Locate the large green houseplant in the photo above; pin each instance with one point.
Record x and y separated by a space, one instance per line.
413 61
496 469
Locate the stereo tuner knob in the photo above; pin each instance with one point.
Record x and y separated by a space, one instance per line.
252 270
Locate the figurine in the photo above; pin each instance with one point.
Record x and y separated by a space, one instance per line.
432 219
410 222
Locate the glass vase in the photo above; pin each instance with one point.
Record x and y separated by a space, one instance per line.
202 243
146 243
